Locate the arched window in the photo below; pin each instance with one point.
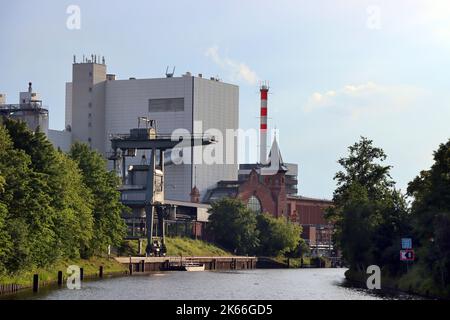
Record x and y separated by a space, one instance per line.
254 204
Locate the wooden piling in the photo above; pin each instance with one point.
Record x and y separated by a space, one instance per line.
130 267
60 278
100 272
35 283
81 274
143 265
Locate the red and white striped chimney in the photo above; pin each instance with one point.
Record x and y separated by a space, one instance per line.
264 89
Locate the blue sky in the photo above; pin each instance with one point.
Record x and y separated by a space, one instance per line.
337 69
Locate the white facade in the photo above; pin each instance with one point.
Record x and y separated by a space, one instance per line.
113 107
68 113
29 109
60 139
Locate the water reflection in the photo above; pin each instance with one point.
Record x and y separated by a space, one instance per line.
259 284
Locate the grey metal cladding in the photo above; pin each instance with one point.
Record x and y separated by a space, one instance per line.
166 105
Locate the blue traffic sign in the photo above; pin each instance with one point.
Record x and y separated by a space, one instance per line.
406 243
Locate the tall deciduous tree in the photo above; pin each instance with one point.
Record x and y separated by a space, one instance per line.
276 235
370 215
233 226
109 227
5 240
26 196
74 221
431 210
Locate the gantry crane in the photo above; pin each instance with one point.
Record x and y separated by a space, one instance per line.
147 138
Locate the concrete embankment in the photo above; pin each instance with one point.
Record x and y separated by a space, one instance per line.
149 264
96 267
139 264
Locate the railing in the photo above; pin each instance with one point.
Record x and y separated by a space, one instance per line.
166 136
133 196
31 105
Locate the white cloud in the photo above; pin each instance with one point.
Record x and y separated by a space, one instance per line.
437 17
425 21
238 70
364 99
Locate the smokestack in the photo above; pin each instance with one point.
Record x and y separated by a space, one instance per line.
264 89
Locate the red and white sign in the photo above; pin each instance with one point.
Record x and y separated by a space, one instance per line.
407 255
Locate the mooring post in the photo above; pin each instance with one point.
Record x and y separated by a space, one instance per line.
60 278
35 283
139 246
100 272
81 274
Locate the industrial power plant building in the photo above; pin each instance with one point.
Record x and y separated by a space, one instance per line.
29 109
98 105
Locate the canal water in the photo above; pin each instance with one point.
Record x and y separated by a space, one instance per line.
258 284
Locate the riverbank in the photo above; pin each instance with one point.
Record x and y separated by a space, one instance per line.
175 246
414 282
308 262
49 275
178 246
167 263
254 285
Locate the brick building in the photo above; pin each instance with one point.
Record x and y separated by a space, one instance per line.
264 190
310 214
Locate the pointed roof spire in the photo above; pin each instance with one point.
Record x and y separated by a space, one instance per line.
275 155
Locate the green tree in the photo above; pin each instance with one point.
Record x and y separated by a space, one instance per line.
233 226
276 235
49 172
74 221
109 227
29 213
363 166
431 212
369 214
35 144
5 240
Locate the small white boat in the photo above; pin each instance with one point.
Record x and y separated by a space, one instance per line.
193 266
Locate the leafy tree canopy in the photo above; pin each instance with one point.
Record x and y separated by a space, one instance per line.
233 226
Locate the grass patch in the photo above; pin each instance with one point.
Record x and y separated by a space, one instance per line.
50 273
294 262
177 246
191 247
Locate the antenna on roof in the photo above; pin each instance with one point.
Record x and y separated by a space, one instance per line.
170 75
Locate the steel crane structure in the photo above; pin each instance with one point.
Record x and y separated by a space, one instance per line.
146 138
